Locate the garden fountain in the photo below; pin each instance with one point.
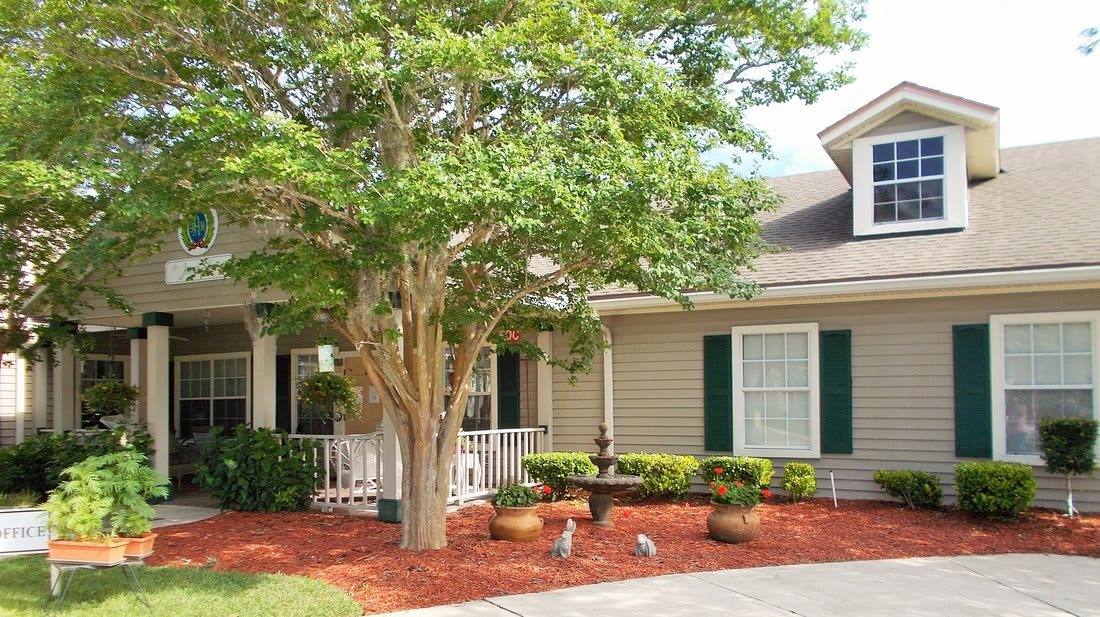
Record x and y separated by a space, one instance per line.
603 485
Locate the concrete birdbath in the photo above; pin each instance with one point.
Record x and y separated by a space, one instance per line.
604 484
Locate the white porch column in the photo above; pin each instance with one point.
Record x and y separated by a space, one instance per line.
608 386
389 505
544 375
138 353
41 400
158 417
20 398
64 390
263 381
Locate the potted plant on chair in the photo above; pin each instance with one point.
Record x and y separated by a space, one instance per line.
516 518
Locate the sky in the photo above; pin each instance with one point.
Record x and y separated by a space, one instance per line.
1017 55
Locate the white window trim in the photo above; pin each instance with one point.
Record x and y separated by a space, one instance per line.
494 419
997 325
954 183
739 447
214 356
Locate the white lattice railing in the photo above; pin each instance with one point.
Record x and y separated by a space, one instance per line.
350 466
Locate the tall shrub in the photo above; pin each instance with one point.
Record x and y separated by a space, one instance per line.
551 468
36 464
663 475
1068 445
994 488
258 470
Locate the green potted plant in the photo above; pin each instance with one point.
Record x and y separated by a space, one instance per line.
104 497
330 393
132 483
107 398
516 518
76 512
733 519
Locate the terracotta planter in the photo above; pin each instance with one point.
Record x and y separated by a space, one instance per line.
140 547
111 551
732 524
515 524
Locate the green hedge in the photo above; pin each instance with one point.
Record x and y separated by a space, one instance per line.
918 489
35 465
1068 445
663 475
754 472
994 488
800 480
551 469
256 470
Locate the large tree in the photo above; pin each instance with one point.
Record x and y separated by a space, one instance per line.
445 170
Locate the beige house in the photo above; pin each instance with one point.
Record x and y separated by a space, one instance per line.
937 295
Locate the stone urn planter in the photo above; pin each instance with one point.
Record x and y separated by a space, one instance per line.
732 524
515 524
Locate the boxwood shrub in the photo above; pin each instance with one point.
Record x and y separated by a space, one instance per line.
258 470
551 469
663 475
918 489
994 488
800 480
755 472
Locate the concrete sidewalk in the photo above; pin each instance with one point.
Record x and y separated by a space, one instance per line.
1001 585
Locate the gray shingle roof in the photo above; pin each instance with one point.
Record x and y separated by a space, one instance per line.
1042 211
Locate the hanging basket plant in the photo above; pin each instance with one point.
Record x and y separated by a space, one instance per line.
108 398
327 391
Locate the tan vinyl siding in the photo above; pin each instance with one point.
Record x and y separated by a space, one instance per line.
905 122
7 400
142 283
902 373
578 407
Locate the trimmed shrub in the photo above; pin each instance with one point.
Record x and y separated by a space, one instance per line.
663 475
551 469
259 470
994 488
918 489
754 472
800 480
35 465
1068 445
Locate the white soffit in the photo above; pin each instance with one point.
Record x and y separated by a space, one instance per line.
982 123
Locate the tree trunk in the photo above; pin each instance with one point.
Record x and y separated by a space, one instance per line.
424 492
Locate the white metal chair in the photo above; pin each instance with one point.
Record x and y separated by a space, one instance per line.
357 463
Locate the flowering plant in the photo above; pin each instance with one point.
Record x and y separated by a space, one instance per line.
544 491
515 496
736 493
329 389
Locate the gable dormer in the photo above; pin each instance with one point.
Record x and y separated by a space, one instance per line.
909 156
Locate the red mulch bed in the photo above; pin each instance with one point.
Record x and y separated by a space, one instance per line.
360 554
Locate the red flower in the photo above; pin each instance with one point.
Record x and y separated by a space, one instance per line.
722 490
738 483
766 494
718 471
546 490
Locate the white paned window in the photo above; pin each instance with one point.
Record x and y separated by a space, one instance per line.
479 408
776 391
212 391
909 182
1043 365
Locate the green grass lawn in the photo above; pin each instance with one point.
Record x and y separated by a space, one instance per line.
172 592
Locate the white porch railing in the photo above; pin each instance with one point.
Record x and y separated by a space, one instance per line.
486 460
349 471
350 466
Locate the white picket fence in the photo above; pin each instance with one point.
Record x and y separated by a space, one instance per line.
350 466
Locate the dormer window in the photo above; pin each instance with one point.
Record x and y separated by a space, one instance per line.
909 182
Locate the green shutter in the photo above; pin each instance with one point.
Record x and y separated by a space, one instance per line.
973 412
718 393
836 391
508 390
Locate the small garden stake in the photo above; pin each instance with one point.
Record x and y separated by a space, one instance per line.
832 482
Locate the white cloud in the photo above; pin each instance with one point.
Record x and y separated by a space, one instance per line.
1019 56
